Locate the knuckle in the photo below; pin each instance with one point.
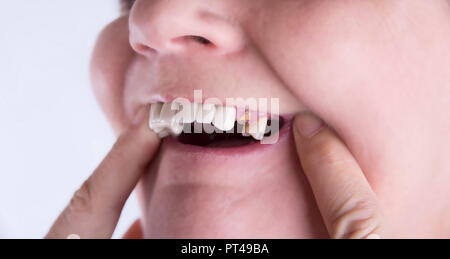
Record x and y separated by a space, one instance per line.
355 219
81 201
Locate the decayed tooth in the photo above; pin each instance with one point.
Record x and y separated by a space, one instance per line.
206 113
240 128
257 129
242 123
185 112
224 117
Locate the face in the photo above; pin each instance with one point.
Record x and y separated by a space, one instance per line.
377 71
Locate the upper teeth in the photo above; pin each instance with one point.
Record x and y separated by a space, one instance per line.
206 113
224 118
169 118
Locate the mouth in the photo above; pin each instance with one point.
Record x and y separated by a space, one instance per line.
214 126
232 138
196 174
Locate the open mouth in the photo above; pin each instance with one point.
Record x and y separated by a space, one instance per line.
232 138
209 125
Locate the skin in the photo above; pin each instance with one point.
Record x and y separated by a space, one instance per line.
375 72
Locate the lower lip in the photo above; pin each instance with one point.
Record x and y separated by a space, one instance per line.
172 145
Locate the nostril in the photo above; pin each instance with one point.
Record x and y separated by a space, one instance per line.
143 49
193 39
146 50
200 40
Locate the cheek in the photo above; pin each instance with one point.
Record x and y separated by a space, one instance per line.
362 68
110 60
361 61
330 52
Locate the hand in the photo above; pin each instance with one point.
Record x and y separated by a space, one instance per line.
95 208
345 199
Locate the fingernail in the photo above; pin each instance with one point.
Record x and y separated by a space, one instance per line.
308 125
139 117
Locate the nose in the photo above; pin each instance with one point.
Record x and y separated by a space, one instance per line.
173 25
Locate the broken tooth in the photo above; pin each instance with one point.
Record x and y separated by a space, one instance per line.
224 118
243 119
206 113
241 125
258 128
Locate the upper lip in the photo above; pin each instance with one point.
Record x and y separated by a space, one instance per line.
167 77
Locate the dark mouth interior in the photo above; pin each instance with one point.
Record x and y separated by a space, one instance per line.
225 139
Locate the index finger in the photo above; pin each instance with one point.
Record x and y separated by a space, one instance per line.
95 208
345 199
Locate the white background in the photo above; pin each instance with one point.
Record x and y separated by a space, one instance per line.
52 133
